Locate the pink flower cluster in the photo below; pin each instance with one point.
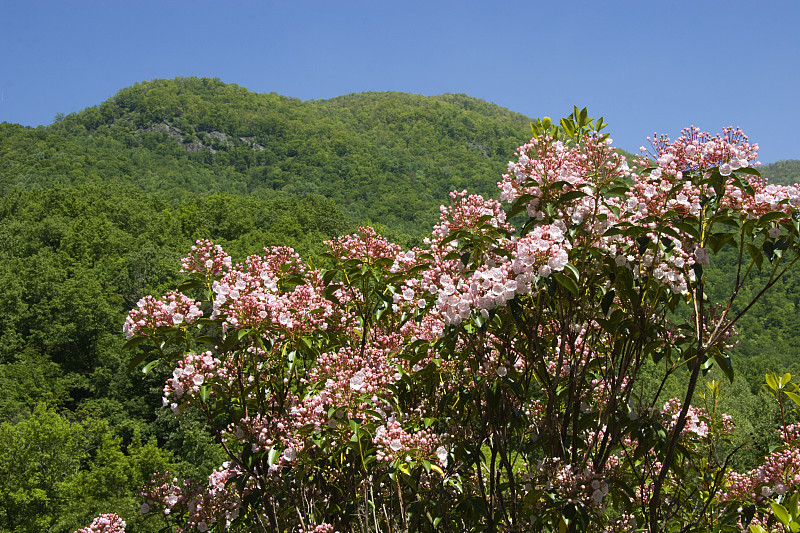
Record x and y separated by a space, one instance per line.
322 528
250 296
261 432
190 374
395 443
697 419
573 485
699 151
105 523
150 314
352 382
206 258
203 506
366 246
471 212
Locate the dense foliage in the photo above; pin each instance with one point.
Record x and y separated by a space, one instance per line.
98 208
782 172
388 157
488 381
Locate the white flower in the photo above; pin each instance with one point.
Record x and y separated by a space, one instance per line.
357 381
144 508
289 454
725 169
441 453
395 445
502 371
701 256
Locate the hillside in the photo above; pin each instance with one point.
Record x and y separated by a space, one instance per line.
388 157
782 172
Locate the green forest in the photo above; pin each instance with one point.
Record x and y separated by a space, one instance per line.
98 208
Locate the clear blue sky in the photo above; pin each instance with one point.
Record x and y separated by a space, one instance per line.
645 66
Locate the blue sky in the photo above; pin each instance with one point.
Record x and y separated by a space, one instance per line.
644 66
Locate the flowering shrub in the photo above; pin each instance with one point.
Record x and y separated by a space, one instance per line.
484 381
105 523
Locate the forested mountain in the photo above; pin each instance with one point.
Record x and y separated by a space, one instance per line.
782 172
97 209
388 157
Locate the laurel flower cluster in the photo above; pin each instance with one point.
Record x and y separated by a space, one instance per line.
395 443
150 314
697 419
321 528
250 297
206 258
105 523
779 474
472 212
204 506
366 245
188 376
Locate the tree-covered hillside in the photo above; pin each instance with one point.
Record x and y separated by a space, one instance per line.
782 172
388 157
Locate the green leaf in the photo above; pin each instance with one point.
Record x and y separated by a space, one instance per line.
717 240
689 229
572 195
134 341
608 299
780 513
149 366
766 218
748 170
755 255
794 396
272 457
573 270
136 361
724 364
619 190
566 282
748 513
189 284
791 505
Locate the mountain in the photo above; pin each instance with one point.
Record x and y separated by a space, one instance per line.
782 172
391 158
